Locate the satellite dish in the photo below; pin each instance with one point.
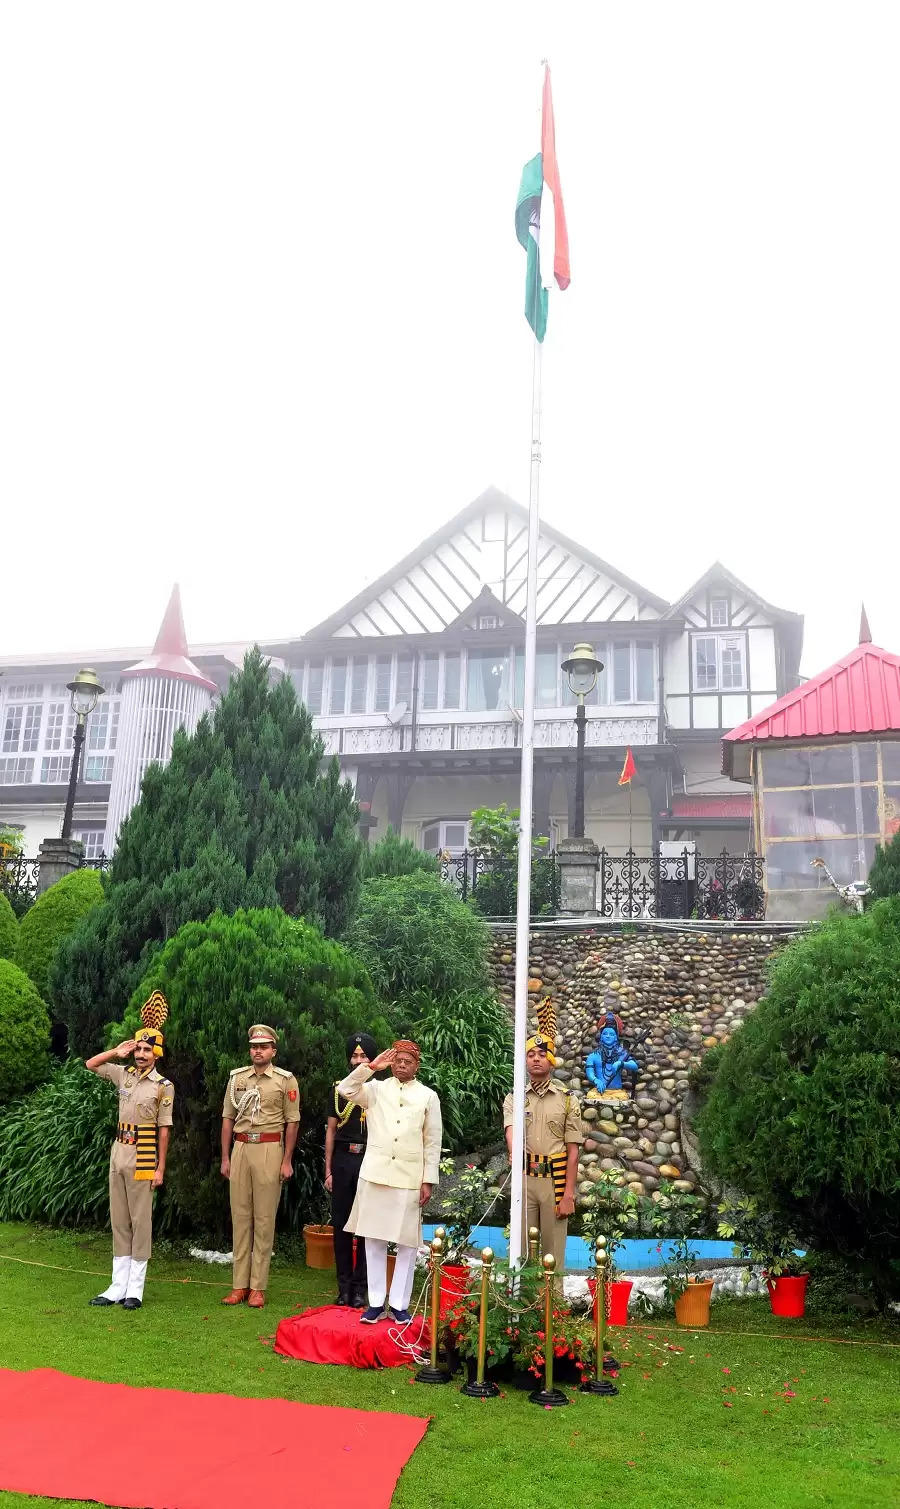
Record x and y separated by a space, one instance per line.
397 713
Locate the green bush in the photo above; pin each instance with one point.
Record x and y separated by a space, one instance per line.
9 929
24 1034
54 915
466 1043
54 1150
221 976
884 876
393 855
804 1110
415 937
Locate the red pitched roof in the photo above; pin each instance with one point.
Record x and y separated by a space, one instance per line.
859 695
170 653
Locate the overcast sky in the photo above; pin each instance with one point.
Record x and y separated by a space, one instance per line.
261 302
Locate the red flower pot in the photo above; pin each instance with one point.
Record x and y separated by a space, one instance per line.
454 1284
618 1294
787 1295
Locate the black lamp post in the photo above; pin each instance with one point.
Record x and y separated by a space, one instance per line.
582 669
86 693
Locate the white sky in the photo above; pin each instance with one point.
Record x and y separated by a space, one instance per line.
260 304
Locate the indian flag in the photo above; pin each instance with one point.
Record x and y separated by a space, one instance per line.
539 211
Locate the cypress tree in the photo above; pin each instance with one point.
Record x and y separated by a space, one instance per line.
884 876
244 815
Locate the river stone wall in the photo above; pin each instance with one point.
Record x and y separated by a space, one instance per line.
691 989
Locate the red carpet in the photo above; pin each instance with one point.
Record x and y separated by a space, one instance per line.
332 1333
65 1437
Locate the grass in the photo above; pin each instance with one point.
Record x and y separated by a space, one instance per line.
754 1411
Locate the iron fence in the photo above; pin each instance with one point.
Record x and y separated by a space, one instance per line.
19 877
723 887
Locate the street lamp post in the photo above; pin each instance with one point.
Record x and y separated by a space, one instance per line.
582 669
86 692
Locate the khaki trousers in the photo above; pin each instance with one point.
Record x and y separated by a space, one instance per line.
255 1189
130 1213
540 1211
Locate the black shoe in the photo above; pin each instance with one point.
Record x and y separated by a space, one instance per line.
101 1299
131 1304
343 1297
359 1299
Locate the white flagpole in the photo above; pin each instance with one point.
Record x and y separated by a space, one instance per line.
523 899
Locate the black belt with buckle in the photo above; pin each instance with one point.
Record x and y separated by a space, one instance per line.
351 1147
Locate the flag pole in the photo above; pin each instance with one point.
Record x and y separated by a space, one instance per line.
523 894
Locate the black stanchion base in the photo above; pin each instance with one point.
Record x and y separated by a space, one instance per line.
598 1386
550 1398
475 1390
428 1374
610 1365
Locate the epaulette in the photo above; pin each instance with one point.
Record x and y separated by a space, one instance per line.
285 1073
131 1069
247 1069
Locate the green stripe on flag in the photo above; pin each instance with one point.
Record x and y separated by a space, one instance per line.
528 229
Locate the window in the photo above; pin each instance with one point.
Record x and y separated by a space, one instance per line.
487 680
546 678
719 615
488 621
452 834
22 726
383 683
315 673
55 769
92 838
337 694
451 680
56 734
98 768
719 662
16 772
103 725
622 673
359 684
403 692
430 669
645 673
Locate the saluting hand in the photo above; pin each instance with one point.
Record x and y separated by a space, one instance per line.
124 1049
383 1061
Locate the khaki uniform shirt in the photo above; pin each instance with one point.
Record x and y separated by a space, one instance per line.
552 1120
279 1099
403 1147
144 1100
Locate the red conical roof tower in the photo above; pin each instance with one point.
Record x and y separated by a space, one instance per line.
170 652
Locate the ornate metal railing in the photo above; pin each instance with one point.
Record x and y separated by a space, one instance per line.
19 877
491 883
725 887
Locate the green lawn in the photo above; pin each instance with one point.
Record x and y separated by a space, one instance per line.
707 1425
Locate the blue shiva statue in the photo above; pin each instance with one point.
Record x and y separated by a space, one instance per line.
604 1066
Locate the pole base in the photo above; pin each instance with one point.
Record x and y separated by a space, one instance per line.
475 1390
611 1365
549 1398
598 1386
428 1374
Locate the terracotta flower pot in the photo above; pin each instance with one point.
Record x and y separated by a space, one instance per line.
319 1246
787 1294
692 1306
618 1293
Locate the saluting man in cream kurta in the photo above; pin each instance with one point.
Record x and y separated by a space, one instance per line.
399 1171
262 1114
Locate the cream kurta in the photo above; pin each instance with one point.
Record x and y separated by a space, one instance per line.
403 1152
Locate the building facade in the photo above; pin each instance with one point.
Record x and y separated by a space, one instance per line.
416 685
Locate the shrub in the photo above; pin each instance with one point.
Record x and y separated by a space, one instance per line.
54 1150
54 915
24 1035
9 929
221 976
466 1043
415 937
246 814
803 1111
393 855
884 876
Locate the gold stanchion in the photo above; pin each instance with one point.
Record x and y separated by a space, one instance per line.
534 1237
482 1388
548 1396
598 1384
429 1372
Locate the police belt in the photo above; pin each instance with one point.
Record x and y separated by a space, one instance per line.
257 1136
349 1147
541 1166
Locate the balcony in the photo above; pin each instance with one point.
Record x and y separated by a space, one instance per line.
442 733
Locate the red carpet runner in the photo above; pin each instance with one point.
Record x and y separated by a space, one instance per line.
330 1333
65 1437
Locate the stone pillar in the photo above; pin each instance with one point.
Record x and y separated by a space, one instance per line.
57 857
578 860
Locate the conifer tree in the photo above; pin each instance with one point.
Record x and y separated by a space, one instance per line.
884 876
244 815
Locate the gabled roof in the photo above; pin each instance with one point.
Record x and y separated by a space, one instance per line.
492 498
169 656
719 573
859 695
487 602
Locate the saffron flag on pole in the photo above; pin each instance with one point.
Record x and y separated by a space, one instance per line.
540 203
628 770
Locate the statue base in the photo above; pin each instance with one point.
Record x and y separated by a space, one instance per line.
548 1398
610 1097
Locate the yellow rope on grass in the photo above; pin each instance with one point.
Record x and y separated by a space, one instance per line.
838 1341
206 1283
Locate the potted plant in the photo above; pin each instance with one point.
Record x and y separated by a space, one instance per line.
460 1209
759 1238
318 1236
515 1340
675 1217
611 1212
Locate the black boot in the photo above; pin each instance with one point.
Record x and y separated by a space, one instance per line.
343 1296
359 1297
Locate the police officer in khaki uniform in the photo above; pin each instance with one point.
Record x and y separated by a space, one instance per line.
261 1113
553 1135
137 1160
